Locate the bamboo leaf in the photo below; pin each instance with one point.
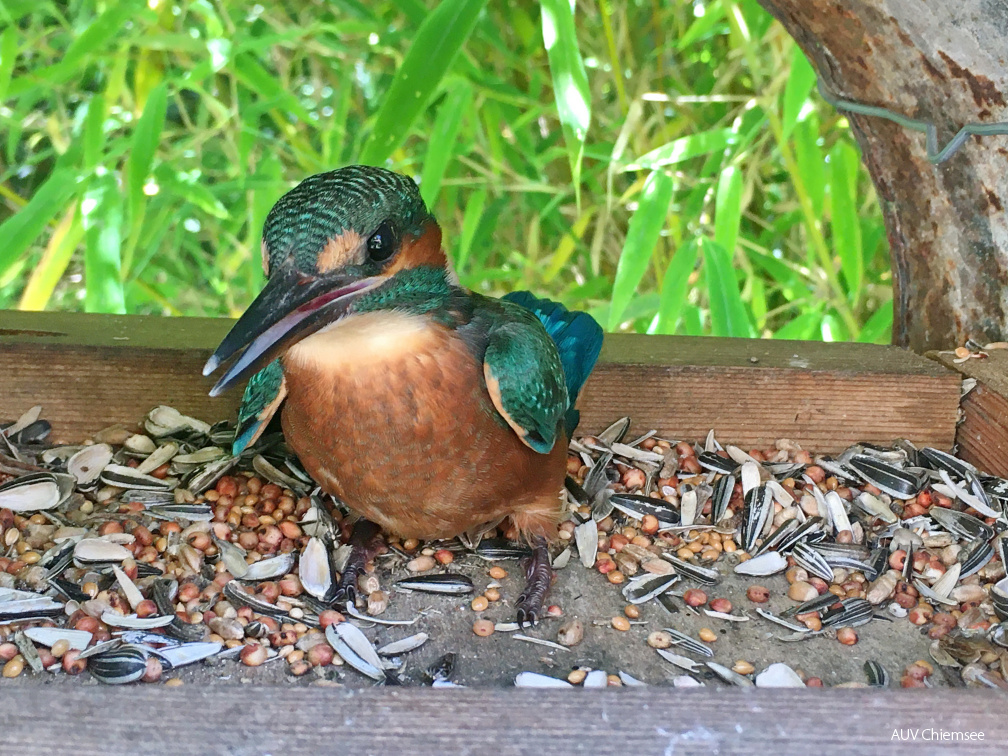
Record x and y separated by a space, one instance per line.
567 245
675 287
8 55
102 213
727 312
570 82
438 40
146 138
802 327
800 82
27 224
470 222
728 208
50 269
441 145
642 237
684 148
878 329
843 216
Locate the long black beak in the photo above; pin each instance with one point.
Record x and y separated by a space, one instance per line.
292 306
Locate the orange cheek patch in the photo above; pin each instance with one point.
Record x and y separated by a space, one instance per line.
339 251
423 250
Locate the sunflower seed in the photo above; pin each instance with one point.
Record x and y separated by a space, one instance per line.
900 484
685 642
680 661
450 584
876 674
723 491
119 666
769 563
535 680
646 587
729 675
87 464
586 538
403 646
355 649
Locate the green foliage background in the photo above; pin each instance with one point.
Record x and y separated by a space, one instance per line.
665 164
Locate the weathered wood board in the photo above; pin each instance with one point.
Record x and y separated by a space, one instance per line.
92 371
982 434
247 720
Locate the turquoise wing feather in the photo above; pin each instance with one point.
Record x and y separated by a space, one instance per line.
578 339
263 395
525 379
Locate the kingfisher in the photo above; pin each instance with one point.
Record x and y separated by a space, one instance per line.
428 409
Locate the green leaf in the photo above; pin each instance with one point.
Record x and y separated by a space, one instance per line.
811 165
441 144
675 287
50 269
727 312
878 329
146 138
642 236
8 55
802 327
728 208
570 82
27 224
713 13
94 135
102 213
684 148
844 222
800 82
470 222
438 40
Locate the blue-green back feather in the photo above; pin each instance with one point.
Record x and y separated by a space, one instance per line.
260 394
578 339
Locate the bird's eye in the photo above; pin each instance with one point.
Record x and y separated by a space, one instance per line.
382 243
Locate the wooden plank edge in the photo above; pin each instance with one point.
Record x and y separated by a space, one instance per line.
982 429
824 402
39 721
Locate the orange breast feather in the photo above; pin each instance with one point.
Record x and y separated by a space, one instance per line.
390 413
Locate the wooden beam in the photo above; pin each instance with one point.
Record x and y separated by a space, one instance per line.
39 721
92 371
982 434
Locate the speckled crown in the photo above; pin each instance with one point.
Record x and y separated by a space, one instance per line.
356 198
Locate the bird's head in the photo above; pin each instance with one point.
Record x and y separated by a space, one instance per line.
332 238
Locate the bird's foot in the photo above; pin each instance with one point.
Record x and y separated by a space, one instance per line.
366 541
538 577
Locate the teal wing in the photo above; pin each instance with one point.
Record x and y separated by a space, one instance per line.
578 339
525 379
264 394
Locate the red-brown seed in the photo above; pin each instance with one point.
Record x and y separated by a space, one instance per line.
443 556
758 594
154 670
187 592
71 664
320 655
649 524
814 682
8 651
330 617
146 608
847 636
483 627
253 655
721 605
694 597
